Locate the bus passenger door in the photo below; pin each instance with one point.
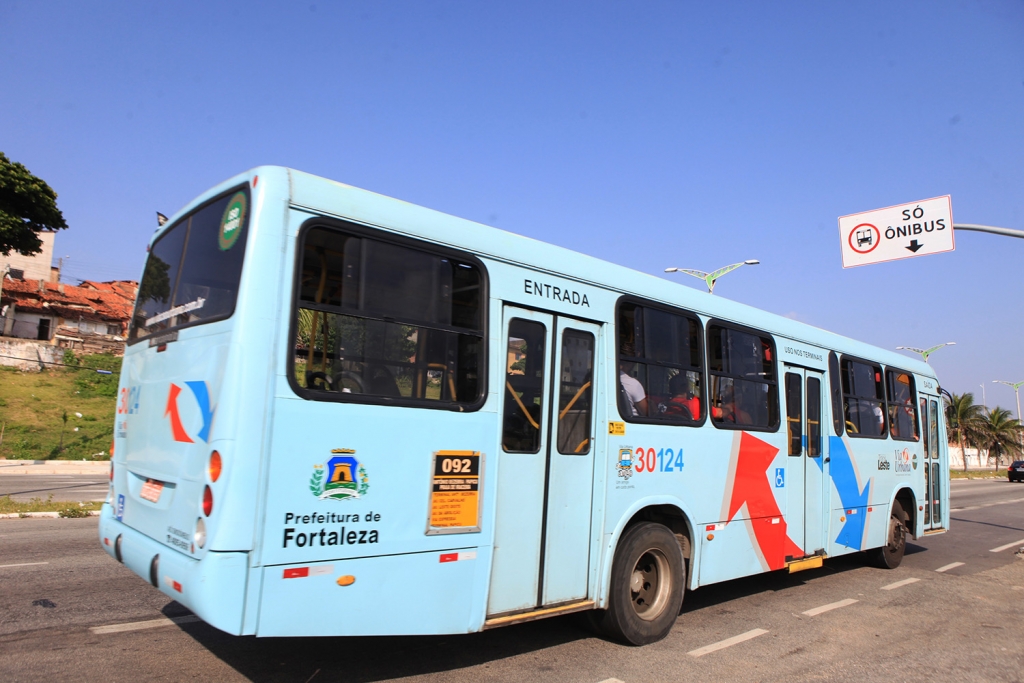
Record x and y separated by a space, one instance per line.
545 473
806 470
932 478
816 482
565 560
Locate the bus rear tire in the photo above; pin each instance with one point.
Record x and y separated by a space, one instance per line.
890 555
648 576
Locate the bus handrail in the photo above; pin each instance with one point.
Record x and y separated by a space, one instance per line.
570 404
521 406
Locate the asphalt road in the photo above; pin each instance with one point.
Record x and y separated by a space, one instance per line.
914 623
71 487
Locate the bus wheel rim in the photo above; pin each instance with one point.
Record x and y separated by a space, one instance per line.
650 584
896 534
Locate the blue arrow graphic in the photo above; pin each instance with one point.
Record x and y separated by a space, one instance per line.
852 496
202 395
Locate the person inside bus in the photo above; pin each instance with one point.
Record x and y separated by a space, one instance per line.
632 390
684 402
728 411
901 419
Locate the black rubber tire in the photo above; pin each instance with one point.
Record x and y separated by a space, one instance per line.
646 588
890 555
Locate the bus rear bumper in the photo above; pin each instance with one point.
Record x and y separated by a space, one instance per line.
213 587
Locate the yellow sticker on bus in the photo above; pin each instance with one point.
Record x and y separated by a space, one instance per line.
455 492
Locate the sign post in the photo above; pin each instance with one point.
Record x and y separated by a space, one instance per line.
897 232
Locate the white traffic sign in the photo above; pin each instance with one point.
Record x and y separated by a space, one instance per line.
897 232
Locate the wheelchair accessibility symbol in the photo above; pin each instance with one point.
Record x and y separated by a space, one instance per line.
780 477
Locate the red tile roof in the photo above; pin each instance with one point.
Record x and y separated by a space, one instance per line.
107 301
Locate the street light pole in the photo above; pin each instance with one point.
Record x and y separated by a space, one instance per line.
1016 390
710 278
924 352
1009 232
984 401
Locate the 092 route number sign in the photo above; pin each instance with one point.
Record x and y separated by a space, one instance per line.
897 232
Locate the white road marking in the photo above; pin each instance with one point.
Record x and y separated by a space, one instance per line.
829 607
610 680
1008 545
987 505
139 625
952 565
23 564
898 584
728 642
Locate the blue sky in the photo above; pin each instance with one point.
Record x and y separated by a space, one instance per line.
650 134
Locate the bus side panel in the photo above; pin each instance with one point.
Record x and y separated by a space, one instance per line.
417 594
388 452
851 487
730 478
866 475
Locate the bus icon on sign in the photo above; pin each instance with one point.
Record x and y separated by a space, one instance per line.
864 238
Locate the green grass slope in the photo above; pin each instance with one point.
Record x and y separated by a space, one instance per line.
33 406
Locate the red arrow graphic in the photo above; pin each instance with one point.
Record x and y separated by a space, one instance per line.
751 487
172 409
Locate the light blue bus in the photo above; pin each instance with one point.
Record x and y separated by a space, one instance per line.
342 414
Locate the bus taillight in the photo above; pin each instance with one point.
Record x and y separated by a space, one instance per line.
207 501
214 467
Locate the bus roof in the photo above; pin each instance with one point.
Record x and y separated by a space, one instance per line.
323 196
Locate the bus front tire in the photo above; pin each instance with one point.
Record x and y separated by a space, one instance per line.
890 555
647 583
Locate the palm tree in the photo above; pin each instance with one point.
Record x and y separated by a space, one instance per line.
1000 432
963 422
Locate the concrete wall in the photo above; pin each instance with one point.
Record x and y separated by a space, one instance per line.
36 267
974 459
27 355
26 325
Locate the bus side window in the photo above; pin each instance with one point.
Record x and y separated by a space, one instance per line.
660 365
744 389
837 393
863 399
380 320
899 389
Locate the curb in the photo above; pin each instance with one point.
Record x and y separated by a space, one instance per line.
50 515
22 467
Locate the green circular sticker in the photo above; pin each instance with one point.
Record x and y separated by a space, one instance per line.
231 222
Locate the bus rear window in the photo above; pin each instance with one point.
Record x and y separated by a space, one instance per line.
377 320
193 269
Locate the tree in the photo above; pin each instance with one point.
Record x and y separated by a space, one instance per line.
27 205
1000 433
520 365
964 422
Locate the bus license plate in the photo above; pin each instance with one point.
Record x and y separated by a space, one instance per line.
151 490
